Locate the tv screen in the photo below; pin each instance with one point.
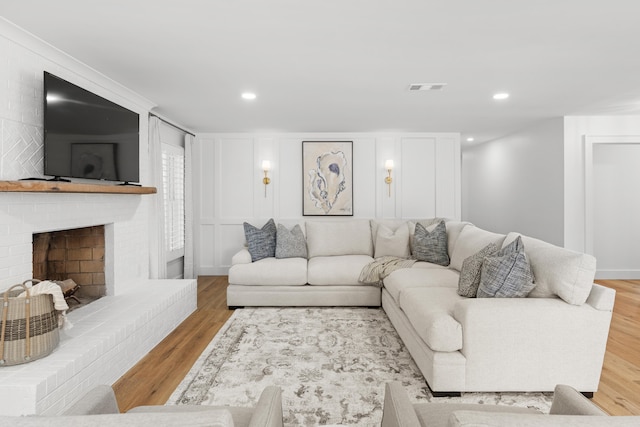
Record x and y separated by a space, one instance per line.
87 136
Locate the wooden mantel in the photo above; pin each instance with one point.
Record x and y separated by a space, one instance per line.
70 187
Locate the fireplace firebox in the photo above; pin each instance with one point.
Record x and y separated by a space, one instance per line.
76 254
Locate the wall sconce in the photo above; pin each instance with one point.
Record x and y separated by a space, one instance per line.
266 167
388 165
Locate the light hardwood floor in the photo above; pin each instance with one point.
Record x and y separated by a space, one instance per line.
155 377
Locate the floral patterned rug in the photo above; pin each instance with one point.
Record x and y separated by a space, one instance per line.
331 364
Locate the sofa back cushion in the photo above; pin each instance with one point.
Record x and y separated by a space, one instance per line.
471 240
329 238
558 271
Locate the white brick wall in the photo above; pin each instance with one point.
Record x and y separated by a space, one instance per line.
23 214
112 334
22 63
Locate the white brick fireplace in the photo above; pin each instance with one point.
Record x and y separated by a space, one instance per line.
113 333
110 335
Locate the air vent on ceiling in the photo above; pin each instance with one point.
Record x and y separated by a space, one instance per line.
427 86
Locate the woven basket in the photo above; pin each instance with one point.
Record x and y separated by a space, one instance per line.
29 328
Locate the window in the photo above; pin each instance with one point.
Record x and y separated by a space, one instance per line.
173 182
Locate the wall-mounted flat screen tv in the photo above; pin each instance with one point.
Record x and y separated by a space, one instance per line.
87 136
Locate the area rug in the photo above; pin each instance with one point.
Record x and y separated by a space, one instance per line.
331 364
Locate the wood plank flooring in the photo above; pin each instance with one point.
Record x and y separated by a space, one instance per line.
619 390
155 377
152 380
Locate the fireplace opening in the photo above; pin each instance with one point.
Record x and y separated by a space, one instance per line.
75 260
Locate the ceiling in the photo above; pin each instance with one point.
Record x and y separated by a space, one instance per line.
345 65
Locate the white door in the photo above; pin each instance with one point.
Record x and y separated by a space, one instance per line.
616 209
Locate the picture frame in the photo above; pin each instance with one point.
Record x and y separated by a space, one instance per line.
327 178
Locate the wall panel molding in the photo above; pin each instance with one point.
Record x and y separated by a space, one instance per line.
230 191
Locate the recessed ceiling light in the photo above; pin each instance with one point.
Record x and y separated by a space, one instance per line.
470 139
501 95
249 96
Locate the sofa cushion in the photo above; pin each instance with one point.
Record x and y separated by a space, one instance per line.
408 278
336 270
290 244
270 272
261 242
328 238
208 418
429 312
241 415
506 274
558 271
430 265
438 414
454 228
389 242
470 241
507 419
471 271
431 246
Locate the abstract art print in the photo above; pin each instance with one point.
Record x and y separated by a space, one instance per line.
327 178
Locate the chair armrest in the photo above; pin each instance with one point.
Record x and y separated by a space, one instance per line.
398 410
99 400
568 401
268 410
241 257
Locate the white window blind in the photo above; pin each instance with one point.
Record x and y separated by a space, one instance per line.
173 181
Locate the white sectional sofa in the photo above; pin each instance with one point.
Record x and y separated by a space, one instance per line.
337 252
556 334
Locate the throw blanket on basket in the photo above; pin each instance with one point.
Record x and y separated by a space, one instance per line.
378 269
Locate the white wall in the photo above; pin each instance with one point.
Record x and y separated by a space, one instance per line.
515 183
576 129
24 58
229 190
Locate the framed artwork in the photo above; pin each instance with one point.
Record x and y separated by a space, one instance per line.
327 178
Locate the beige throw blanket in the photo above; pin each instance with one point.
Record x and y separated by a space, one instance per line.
376 271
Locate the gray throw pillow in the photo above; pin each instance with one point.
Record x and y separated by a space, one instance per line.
515 246
470 273
261 242
507 274
290 244
431 246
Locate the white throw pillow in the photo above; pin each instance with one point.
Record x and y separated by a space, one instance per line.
392 243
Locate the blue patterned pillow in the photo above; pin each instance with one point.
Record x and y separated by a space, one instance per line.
507 274
431 246
261 242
